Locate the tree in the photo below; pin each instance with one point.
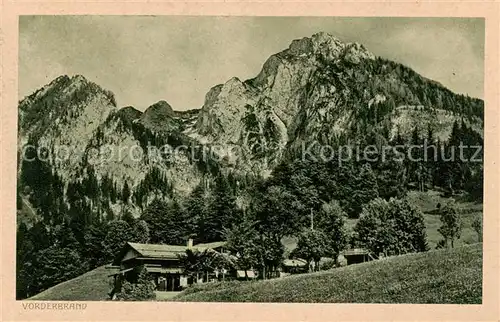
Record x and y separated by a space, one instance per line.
196 262
141 232
223 209
197 209
168 222
311 246
364 188
332 222
253 248
475 185
391 227
278 212
430 155
241 240
117 236
391 177
24 250
270 254
477 225
303 179
125 193
113 192
127 216
54 265
451 224
93 249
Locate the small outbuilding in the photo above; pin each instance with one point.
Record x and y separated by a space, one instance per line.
294 266
357 255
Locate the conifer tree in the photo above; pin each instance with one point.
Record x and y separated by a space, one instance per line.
125 193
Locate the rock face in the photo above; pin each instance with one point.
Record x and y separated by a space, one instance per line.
267 112
79 125
128 153
318 89
160 117
62 118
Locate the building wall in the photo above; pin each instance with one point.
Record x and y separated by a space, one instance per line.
130 254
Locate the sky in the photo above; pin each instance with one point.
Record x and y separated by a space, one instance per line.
144 59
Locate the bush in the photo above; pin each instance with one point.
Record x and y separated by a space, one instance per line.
328 264
143 290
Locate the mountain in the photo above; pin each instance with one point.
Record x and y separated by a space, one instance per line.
106 174
160 117
323 89
65 114
319 89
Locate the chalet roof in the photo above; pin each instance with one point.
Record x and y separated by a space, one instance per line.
157 250
355 251
163 251
164 270
212 245
297 262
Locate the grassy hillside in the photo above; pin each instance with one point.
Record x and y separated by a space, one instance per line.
468 210
439 276
91 286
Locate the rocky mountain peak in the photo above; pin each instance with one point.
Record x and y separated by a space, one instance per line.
160 107
130 113
159 117
233 82
315 44
354 52
61 102
327 45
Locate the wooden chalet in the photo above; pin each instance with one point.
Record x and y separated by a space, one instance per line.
162 262
357 255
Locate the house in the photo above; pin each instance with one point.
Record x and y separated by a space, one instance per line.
163 263
293 266
357 255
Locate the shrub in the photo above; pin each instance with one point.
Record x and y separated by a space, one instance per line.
143 290
328 264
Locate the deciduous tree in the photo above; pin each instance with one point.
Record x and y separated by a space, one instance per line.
451 224
332 222
391 227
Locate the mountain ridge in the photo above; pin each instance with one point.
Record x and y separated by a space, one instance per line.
248 154
319 89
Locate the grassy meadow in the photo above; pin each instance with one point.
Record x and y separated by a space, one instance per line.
437 276
468 210
91 286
